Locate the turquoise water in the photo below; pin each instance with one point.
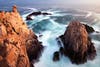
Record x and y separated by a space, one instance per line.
52 26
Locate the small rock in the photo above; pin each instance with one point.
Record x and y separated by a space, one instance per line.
89 29
56 56
61 50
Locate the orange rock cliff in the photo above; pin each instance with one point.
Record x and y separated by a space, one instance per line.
16 41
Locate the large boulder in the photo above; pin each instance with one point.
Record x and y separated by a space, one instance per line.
14 40
77 43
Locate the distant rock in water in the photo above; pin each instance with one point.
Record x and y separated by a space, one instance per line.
29 18
18 45
77 44
36 14
46 13
56 56
89 29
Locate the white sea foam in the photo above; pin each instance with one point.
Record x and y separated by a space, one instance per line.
89 14
48 39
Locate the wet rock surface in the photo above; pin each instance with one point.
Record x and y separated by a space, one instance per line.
77 43
36 14
89 29
18 45
56 56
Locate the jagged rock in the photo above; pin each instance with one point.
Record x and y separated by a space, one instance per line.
34 47
14 9
36 14
14 40
77 44
33 14
56 56
89 29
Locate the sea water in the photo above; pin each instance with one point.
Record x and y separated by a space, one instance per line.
50 27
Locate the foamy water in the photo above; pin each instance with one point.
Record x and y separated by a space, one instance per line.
50 29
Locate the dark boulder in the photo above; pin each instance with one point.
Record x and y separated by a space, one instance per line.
36 14
91 50
61 50
46 13
89 29
33 14
77 44
56 56
29 18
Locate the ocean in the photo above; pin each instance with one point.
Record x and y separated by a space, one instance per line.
52 26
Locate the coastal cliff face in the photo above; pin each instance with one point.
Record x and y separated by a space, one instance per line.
77 43
17 42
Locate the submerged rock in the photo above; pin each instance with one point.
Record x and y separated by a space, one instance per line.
77 44
17 42
56 56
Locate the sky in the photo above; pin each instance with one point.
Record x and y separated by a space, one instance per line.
49 2
52 1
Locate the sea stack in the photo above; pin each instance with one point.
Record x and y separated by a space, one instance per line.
77 43
16 41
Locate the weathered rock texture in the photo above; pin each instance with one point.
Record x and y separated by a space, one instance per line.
77 44
16 40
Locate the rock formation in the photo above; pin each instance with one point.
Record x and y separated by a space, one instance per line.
17 42
77 44
89 29
36 14
56 56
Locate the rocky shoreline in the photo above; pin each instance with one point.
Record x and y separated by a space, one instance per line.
18 45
